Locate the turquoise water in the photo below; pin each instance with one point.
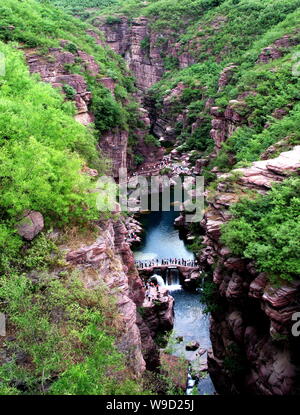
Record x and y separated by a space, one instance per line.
162 241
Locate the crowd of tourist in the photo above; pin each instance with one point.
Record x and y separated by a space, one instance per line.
168 261
152 290
165 163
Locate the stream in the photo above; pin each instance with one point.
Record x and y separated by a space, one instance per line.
162 241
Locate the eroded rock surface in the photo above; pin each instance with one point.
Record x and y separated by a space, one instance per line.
110 260
253 349
53 68
30 225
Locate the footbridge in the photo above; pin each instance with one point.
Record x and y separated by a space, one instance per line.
187 272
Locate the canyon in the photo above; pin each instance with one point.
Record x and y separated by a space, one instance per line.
166 96
254 326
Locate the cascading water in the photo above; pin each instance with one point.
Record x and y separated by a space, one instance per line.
191 324
172 280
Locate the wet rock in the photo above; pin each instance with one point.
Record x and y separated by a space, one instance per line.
201 351
193 345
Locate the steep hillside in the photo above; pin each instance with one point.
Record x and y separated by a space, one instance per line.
210 75
208 84
68 328
221 82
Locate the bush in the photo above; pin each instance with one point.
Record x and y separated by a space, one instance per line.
210 296
69 91
145 45
151 140
266 229
138 158
61 328
108 113
113 20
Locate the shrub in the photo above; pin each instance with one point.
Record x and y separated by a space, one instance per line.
138 158
61 328
69 91
113 20
266 229
151 140
145 45
71 48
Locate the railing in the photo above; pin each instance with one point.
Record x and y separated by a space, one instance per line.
192 263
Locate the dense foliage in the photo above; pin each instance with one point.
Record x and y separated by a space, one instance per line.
42 152
61 335
43 147
80 8
42 26
266 229
208 30
62 339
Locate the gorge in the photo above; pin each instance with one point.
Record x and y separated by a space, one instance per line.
198 88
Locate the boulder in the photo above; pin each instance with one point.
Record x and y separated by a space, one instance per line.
30 225
192 346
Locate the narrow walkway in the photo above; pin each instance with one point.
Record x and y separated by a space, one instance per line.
173 262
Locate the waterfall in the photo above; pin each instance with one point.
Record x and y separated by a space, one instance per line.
159 279
172 279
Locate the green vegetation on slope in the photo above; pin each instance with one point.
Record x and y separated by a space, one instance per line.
43 26
61 335
209 31
79 7
63 339
214 43
42 152
267 229
43 148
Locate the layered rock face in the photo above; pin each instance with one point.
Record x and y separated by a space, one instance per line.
136 43
144 48
224 123
109 260
145 51
253 349
53 69
102 263
114 144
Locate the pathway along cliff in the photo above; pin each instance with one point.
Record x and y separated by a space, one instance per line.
191 324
